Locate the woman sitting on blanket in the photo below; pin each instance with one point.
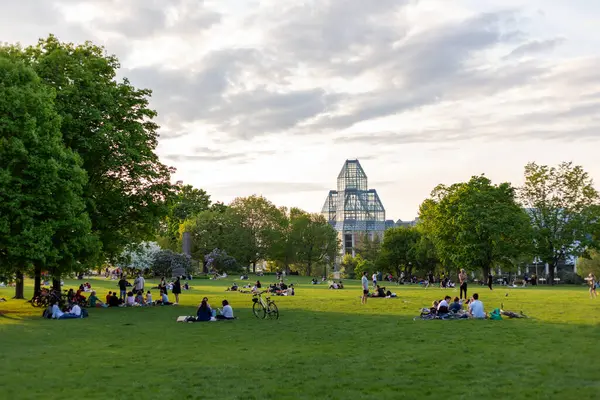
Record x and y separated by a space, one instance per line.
226 312
204 312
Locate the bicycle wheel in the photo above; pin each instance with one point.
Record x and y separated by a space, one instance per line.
259 310
272 310
37 301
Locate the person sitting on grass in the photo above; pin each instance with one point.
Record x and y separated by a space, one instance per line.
94 301
130 300
226 313
379 291
314 281
334 285
233 288
476 308
204 313
456 306
108 296
443 306
149 299
434 307
114 300
139 298
164 299
79 296
340 285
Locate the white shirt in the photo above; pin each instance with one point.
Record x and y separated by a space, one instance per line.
148 298
374 277
76 310
365 283
476 309
443 303
130 300
139 285
227 311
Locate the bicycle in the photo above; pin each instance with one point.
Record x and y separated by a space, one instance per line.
264 306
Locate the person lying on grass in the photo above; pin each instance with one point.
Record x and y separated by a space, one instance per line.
379 292
74 312
233 288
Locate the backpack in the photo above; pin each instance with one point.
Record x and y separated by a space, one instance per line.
495 315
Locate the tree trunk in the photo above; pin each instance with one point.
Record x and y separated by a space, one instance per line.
254 267
56 284
37 280
20 285
308 269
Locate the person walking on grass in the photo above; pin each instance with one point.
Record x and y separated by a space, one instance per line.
122 288
176 290
374 278
592 283
490 280
462 277
365 288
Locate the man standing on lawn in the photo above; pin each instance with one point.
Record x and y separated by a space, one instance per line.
365 288
122 288
462 277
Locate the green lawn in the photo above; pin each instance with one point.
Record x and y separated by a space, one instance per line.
325 345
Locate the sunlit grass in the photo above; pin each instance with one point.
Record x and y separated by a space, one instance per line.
325 345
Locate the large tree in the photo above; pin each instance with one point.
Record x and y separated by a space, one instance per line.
188 201
260 219
43 221
563 206
399 249
316 240
476 225
589 264
109 124
284 247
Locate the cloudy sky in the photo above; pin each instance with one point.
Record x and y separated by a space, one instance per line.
273 96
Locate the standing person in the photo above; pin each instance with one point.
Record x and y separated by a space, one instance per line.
177 290
140 283
462 277
374 278
490 280
122 288
365 288
592 283
430 279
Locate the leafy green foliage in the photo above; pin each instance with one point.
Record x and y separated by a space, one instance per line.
399 249
475 225
563 206
348 266
109 125
188 201
315 239
165 261
43 221
218 260
260 219
589 264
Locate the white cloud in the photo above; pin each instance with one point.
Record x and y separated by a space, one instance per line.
271 97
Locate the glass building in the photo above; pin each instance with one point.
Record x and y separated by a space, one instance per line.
353 209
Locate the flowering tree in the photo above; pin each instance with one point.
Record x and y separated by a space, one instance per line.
167 261
138 257
220 261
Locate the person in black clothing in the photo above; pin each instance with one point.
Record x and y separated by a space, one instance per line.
177 290
162 285
122 288
258 285
113 301
490 280
430 277
379 292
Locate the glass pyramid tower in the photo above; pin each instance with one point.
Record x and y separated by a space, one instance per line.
353 208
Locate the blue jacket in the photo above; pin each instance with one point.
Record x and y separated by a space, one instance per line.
204 315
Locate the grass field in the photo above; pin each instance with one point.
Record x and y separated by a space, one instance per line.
325 345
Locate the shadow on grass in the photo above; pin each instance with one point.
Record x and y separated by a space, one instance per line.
304 354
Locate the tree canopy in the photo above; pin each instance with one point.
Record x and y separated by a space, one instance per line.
476 225
563 206
109 125
43 220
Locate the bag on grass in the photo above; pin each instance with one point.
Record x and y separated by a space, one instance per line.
495 315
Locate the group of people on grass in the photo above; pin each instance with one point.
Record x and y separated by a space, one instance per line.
473 307
206 313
